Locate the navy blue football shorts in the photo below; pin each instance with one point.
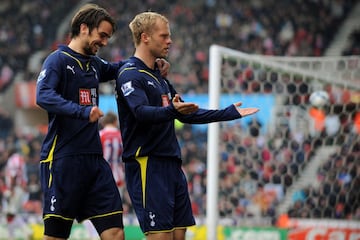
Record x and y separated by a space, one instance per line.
79 187
159 194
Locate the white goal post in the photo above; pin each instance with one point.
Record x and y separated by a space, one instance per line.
212 215
316 70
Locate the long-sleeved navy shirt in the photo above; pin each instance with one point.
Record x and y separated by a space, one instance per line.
147 115
67 88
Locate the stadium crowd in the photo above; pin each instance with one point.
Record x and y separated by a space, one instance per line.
255 169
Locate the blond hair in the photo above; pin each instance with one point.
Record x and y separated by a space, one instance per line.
144 22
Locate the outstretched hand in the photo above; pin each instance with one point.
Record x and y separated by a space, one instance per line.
245 111
182 107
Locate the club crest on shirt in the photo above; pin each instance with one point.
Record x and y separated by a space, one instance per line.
127 88
53 201
165 100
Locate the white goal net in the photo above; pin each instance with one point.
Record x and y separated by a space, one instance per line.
290 157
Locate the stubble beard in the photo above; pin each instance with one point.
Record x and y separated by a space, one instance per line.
88 50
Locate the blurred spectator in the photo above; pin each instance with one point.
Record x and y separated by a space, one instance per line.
34 201
112 145
332 124
16 226
356 127
317 121
353 44
6 124
254 127
15 181
6 76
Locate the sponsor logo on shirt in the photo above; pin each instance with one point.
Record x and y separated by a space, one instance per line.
71 68
87 96
150 83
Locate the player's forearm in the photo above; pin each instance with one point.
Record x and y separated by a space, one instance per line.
203 116
53 103
152 114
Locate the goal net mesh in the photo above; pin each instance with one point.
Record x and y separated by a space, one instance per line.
290 157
